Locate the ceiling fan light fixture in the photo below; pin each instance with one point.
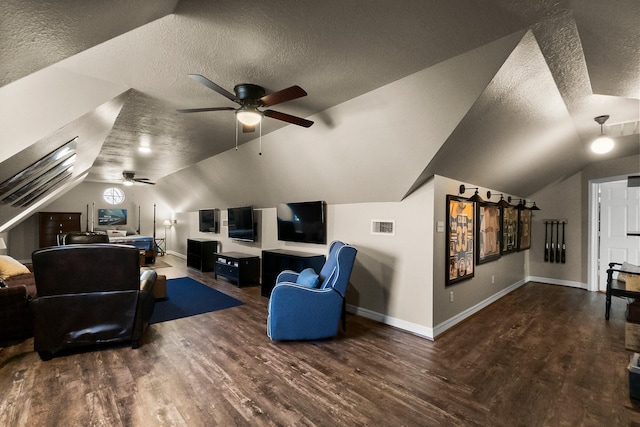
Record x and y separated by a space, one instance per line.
127 183
603 144
249 117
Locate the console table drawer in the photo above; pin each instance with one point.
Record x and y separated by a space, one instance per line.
228 271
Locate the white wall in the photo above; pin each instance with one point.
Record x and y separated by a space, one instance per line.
570 199
561 201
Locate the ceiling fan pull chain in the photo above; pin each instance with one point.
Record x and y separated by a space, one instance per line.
236 134
260 154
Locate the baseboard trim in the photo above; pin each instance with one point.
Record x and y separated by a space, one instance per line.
424 331
453 321
414 328
550 281
179 255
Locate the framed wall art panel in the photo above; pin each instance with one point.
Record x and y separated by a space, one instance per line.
489 233
524 230
509 229
460 239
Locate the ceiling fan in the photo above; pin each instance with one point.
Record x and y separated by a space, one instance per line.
251 98
129 179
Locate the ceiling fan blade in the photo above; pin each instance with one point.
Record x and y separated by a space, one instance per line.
144 181
199 110
288 118
248 129
284 95
211 85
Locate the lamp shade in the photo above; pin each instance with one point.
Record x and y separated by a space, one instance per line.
166 223
601 145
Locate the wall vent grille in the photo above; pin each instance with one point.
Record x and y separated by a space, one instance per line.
383 227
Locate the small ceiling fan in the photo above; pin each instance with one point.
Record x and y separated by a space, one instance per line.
130 179
251 98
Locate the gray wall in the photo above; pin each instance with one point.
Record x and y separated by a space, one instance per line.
570 199
507 270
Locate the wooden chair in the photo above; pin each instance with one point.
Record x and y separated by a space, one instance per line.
619 288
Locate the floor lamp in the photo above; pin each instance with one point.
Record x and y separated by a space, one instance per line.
167 224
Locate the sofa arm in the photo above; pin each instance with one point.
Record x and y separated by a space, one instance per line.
12 294
16 319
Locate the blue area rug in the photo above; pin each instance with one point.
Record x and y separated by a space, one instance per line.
187 297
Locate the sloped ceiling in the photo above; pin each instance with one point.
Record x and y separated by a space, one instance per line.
348 55
36 34
517 121
94 127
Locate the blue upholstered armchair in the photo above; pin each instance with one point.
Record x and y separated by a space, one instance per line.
308 306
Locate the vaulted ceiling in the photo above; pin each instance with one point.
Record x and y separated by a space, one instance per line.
530 76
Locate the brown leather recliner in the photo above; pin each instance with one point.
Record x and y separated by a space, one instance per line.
89 294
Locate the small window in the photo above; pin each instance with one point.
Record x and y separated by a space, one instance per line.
113 196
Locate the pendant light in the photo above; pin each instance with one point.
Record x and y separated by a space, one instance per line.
602 144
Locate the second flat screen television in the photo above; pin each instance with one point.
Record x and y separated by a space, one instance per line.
208 220
240 222
302 222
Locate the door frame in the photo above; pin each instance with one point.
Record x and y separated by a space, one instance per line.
593 244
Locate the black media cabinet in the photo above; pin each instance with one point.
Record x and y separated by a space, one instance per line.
277 260
200 254
237 267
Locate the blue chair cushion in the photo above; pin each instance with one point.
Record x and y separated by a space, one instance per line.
308 278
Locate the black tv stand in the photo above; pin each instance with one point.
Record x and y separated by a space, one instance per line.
236 267
200 253
277 260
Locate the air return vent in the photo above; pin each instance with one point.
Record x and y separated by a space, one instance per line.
383 226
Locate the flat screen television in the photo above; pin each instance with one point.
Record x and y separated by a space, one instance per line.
303 222
208 220
112 217
240 223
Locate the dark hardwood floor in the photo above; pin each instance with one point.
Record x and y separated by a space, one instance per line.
541 356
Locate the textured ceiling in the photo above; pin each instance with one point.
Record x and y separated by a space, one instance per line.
584 58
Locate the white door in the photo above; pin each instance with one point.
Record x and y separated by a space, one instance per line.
619 215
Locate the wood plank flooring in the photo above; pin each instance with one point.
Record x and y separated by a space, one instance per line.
541 356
